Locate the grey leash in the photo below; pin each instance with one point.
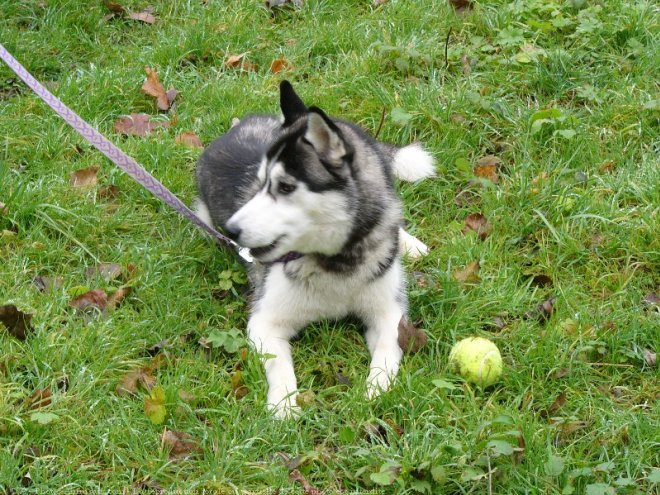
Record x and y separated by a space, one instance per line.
118 157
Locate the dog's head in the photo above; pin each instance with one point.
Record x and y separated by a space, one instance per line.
304 202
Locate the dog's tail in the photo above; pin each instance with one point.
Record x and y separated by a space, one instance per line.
412 163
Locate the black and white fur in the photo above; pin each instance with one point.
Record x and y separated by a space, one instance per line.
314 200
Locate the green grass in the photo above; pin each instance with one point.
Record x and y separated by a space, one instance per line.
558 210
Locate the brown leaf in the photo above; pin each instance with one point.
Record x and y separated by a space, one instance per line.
283 3
239 62
153 87
39 398
85 177
137 124
179 444
519 454
17 323
487 167
467 66
133 379
607 166
651 299
479 224
469 275
554 407
279 65
108 271
650 358
93 299
117 297
411 339
543 311
114 7
171 95
46 284
378 3
541 280
3 209
461 5
108 192
159 346
307 488
237 386
189 139
145 16
423 280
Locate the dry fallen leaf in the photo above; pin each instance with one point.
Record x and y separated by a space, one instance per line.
117 297
114 7
108 271
411 339
479 224
650 358
307 488
543 311
283 3
237 386
3 209
46 284
179 444
16 321
133 379
41 397
541 280
469 275
279 65
651 299
153 87
93 299
85 177
137 124
487 167
189 139
239 62
108 192
554 407
145 16
461 5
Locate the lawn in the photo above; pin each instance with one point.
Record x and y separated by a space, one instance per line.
544 118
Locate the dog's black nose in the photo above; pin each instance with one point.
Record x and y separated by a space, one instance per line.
233 231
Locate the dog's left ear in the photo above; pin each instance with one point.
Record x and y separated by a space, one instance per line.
326 137
292 106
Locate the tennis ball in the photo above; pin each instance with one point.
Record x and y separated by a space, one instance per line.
477 360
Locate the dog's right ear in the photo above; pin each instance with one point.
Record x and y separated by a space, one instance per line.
292 106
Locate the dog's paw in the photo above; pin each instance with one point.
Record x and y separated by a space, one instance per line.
378 382
411 246
283 405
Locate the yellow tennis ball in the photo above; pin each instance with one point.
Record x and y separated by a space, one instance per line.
477 360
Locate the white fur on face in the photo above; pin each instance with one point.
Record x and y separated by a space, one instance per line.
301 221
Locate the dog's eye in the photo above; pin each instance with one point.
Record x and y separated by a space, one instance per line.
284 188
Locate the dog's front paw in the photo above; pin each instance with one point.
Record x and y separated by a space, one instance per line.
377 382
283 404
411 246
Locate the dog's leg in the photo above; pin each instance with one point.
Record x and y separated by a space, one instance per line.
273 343
382 337
411 246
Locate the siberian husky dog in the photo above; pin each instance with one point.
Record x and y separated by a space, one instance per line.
313 199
